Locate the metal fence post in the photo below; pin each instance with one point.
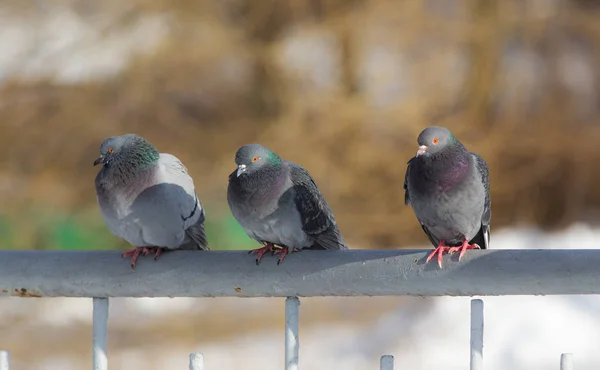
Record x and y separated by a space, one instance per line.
476 334
4 360
292 305
196 361
386 362
566 361
99 336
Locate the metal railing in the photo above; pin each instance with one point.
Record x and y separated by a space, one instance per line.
104 274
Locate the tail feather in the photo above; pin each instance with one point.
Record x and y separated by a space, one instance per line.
482 238
197 235
331 239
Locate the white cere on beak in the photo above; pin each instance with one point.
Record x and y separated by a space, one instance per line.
241 169
422 150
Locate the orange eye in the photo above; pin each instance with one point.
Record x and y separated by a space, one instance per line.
255 158
435 141
110 150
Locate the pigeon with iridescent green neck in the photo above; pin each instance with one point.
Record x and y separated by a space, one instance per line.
449 190
279 205
148 198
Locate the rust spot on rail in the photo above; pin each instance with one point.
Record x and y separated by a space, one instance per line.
24 293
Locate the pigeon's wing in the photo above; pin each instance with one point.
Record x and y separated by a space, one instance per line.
316 216
197 234
483 237
435 241
406 195
172 206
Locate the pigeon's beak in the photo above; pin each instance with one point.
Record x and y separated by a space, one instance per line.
99 160
422 150
241 169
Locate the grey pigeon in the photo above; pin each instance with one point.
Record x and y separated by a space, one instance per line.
148 198
449 190
279 205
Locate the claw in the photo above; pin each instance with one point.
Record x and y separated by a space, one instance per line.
284 252
260 252
463 249
135 254
439 250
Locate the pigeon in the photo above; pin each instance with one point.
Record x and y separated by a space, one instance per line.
448 188
278 204
148 198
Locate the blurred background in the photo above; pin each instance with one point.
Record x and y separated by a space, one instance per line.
342 87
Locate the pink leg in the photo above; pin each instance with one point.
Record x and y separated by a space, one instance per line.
260 252
463 248
439 250
284 251
135 253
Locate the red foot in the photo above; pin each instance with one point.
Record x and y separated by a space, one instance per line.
284 251
463 249
135 253
261 251
441 248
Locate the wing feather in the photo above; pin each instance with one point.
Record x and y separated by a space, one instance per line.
316 216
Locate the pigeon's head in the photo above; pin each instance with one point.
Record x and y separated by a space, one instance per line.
252 157
113 146
433 140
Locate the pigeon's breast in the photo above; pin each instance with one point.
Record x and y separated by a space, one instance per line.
281 228
115 207
271 218
451 213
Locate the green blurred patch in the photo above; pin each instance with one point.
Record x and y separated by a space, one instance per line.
49 229
6 235
225 233
69 233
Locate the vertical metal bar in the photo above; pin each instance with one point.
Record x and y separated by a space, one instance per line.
196 361
386 362
99 339
566 361
476 334
292 305
4 360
